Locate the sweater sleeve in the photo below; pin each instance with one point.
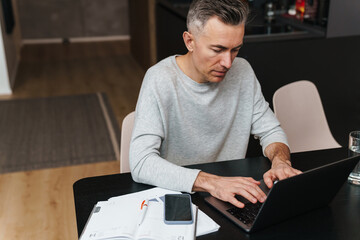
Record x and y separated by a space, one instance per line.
146 164
265 125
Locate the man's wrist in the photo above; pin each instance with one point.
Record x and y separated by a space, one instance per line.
203 182
277 161
278 153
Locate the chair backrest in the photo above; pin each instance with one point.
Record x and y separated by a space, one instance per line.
126 131
299 109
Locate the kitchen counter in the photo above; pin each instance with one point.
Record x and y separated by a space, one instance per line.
257 30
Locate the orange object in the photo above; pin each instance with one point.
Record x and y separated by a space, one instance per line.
300 8
143 204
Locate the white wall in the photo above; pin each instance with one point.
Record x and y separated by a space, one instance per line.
4 75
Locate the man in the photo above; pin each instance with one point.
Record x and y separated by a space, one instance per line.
202 107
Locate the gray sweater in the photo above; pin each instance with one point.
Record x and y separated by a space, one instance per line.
179 122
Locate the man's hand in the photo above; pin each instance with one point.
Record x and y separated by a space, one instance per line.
279 155
279 170
225 188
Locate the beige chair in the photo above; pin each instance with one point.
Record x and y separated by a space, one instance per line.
299 109
126 131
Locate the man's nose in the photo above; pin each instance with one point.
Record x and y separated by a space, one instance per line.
226 60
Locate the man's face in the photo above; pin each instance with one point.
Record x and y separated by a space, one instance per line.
214 50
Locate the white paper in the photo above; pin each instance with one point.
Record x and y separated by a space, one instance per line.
118 218
205 224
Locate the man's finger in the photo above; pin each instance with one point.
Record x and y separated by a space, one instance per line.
254 189
256 192
269 178
236 202
248 195
268 182
252 180
291 172
295 171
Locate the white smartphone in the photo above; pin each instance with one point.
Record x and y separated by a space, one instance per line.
178 209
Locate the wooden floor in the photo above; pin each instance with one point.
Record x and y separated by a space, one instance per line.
39 204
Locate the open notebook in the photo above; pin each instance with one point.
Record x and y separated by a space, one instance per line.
118 218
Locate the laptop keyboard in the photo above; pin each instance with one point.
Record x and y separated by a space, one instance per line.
247 214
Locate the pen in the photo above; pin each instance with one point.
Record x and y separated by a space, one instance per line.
143 209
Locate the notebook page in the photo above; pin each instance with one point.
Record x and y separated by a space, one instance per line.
113 220
154 226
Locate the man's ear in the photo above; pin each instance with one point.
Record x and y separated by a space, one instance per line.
189 41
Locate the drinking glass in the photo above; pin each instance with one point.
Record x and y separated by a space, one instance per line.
354 150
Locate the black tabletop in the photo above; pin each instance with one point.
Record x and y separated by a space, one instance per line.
339 220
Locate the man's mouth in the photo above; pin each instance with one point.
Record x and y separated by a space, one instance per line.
220 73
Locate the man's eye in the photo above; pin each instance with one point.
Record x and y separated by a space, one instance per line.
217 50
236 50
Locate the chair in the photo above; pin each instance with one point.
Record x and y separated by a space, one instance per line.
299 109
126 131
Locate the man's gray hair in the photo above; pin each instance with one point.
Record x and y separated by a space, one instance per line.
231 12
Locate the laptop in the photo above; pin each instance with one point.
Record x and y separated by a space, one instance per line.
289 197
